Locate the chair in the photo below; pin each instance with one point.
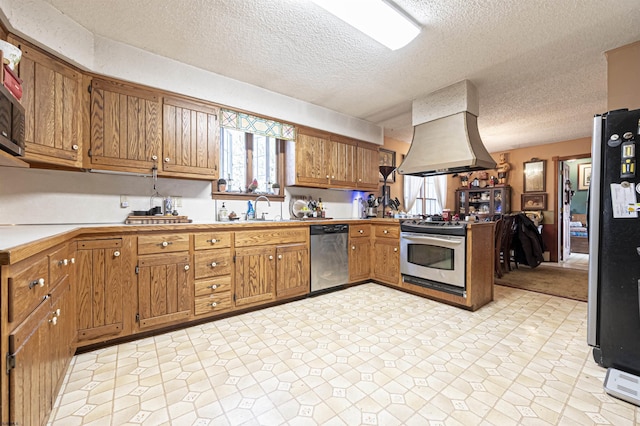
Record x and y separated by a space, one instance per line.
509 230
498 247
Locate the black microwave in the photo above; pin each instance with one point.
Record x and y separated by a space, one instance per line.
11 123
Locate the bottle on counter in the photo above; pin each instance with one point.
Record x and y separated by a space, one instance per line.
223 214
251 213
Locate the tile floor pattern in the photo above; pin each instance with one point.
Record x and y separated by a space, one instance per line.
367 355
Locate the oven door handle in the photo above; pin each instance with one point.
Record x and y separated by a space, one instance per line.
425 238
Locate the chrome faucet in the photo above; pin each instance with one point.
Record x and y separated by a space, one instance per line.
255 204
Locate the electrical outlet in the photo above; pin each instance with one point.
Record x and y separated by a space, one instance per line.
177 201
124 202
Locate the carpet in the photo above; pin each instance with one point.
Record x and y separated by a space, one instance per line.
563 282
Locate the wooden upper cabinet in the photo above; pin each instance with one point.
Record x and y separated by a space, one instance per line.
190 139
342 162
53 113
311 166
125 124
367 161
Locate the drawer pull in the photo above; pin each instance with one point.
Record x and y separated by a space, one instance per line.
54 320
214 304
166 243
75 147
57 312
385 232
186 267
353 247
73 260
39 282
214 264
270 257
361 231
395 249
212 241
279 257
116 254
213 286
64 262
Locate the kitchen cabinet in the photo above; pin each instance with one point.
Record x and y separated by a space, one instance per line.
213 269
483 202
38 333
52 101
102 280
165 280
125 127
359 252
190 139
322 160
386 254
270 262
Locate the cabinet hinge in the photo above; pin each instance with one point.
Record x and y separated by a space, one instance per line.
89 153
89 88
11 362
234 298
234 258
137 317
137 269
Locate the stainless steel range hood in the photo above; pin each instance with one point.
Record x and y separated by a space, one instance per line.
445 134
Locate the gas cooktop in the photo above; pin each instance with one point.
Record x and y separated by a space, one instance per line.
434 227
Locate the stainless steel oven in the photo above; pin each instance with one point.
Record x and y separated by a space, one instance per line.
433 255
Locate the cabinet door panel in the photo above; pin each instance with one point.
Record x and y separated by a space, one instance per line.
359 259
343 164
293 274
164 288
386 267
312 160
367 167
255 270
99 292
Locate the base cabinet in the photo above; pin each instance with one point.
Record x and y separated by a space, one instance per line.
359 252
386 254
292 270
255 272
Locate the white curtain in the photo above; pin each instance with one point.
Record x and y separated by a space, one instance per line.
441 191
412 185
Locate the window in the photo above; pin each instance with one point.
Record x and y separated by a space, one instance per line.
426 202
245 157
251 149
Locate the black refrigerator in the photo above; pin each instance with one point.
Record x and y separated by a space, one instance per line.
614 248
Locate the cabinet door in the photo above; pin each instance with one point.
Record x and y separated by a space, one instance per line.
99 289
125 127
164 289
312 160
367 172
386 260
342 164
191 139
255 272
63 331
293 270
52 101
359 259
30 381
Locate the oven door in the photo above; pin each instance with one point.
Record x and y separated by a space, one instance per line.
430 258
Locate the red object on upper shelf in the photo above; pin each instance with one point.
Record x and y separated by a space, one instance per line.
12 82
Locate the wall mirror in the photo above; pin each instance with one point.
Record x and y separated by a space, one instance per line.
534 175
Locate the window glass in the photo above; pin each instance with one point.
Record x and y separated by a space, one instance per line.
233 155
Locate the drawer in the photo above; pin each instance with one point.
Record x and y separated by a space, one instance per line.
387 231
213 286
212 263
166 243
271 237
212 240
356 231
220 302
28 288
60 264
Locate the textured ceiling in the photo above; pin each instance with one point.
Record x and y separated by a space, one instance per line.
539 65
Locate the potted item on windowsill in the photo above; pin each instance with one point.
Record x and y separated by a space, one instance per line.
275 188
222 185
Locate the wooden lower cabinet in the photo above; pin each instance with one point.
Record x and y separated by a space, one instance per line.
100 289
255 272
386 254
292 270
359 252
165 288
40 350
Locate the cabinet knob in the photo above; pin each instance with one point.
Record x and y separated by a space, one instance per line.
359 179
154 157
214 304
212 241
73 260
361 231
353 247
64 262
167 159
327 176
57 312
54 320
36 283
213 286
165 243
186 267
116 254
270 257
395 249
279 257
75 147
214 264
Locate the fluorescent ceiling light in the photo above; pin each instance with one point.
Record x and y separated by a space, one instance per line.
375 18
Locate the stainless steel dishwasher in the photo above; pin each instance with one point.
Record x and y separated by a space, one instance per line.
329 256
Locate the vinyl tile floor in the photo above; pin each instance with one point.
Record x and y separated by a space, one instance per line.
366 355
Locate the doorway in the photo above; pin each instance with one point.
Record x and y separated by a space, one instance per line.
573 189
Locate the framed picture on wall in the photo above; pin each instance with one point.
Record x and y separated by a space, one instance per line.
387 158
584 176
534 176
533 201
